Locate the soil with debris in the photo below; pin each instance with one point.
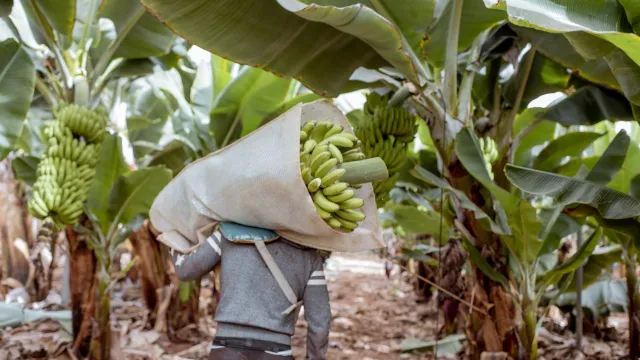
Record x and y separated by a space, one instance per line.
373 315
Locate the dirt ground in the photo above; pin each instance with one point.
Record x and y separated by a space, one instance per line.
372 316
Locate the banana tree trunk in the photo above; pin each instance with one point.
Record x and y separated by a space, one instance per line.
83 267
15 263
634 306
496 333
156 275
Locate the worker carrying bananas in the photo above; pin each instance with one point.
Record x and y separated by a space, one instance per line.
260 223
255 320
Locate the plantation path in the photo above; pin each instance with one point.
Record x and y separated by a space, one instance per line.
373 315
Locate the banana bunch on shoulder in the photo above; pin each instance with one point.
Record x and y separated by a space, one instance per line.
323 146
489 153
386 132
66 170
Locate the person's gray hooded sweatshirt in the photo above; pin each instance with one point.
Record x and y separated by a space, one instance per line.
252 304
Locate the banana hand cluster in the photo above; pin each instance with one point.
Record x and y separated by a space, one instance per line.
489 153
323 146
386 132
67 167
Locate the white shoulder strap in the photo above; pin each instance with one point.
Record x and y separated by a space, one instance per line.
277 274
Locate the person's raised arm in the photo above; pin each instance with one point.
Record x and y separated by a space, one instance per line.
199 262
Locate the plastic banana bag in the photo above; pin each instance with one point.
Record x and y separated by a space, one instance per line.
256 181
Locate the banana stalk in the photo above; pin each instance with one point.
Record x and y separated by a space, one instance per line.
364 171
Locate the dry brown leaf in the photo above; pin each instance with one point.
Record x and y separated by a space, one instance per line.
490 336
505 312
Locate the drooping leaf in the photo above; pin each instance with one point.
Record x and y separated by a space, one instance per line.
112 166
556 47
17 81
632 8
625 228
468 150
60 14
475 18
524 242
244 103
133 193
319 44
588 106
581 22
611 204
466 203
24 167
420 222
148 37
597 264
571 144
610 162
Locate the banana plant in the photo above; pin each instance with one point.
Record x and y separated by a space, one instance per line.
77 52
604 207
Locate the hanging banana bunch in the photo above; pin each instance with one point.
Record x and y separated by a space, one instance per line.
386 132
489 153
66 170
324 152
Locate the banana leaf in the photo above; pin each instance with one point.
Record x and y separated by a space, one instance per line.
571 144
611 204
468 150
17 81
319 44
601 21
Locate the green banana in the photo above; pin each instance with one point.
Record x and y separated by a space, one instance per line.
339 141
306 175
335 189
353 203
324 203
325 168
309 145
343 196
336 153
351 215
333 222
332 177
323 214
335 129
314 185
350 225
308 126
319 160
